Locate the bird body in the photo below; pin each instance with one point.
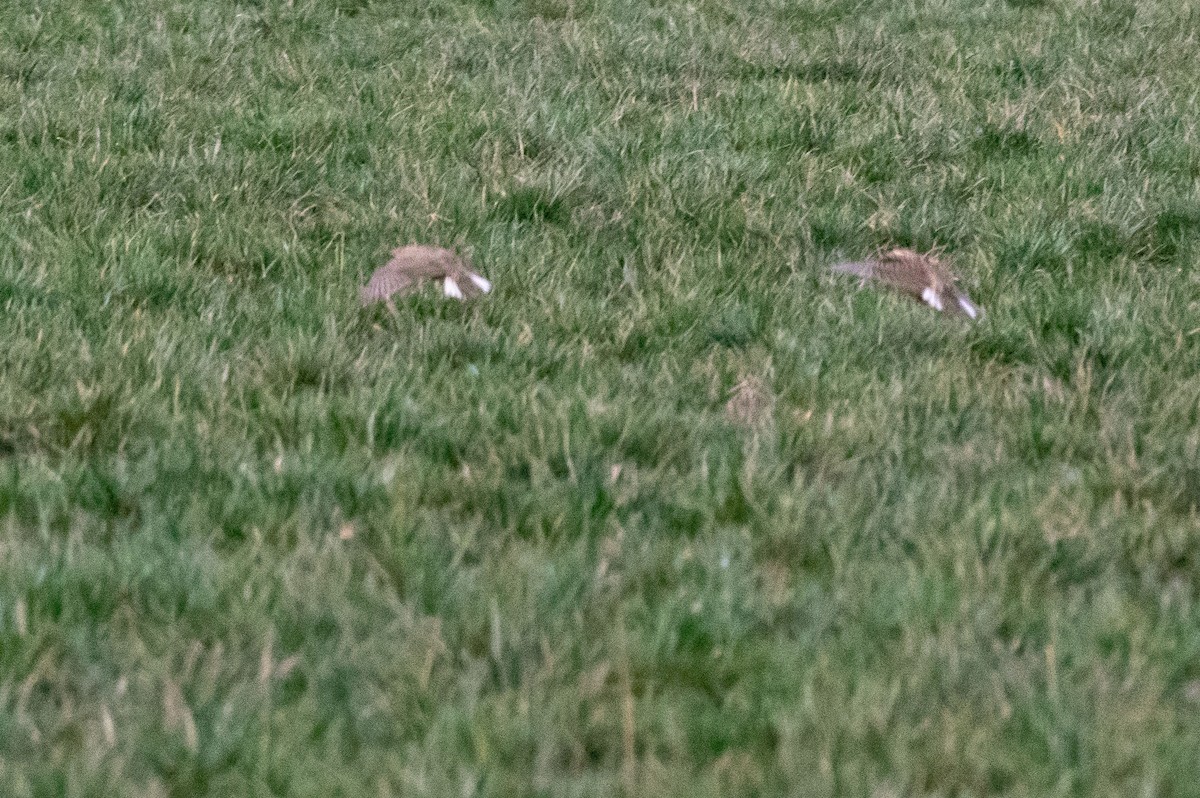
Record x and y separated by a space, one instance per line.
412 264
923 277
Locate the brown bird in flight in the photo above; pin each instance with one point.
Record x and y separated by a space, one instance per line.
415 263
922 277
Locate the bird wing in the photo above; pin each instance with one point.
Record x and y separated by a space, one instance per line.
385 283
863 269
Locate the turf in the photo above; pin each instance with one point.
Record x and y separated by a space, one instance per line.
673 511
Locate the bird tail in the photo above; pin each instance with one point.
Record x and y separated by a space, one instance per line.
474 285
481 282
969 308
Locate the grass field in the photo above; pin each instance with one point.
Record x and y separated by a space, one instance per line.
673 511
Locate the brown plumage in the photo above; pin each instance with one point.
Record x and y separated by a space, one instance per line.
415 263
922 277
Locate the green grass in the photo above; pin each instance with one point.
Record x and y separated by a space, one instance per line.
258 541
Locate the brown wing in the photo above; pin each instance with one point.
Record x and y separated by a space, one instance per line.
407 268
385 283
860 268
906 271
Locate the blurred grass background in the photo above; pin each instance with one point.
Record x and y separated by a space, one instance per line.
673 511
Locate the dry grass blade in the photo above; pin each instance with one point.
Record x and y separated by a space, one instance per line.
924 277
413 264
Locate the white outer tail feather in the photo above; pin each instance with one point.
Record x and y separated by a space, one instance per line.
930 295
450 288
485 285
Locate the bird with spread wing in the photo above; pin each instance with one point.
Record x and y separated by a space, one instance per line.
924 277
413 264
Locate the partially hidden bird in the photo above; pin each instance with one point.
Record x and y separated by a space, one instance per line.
411 265
923 277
